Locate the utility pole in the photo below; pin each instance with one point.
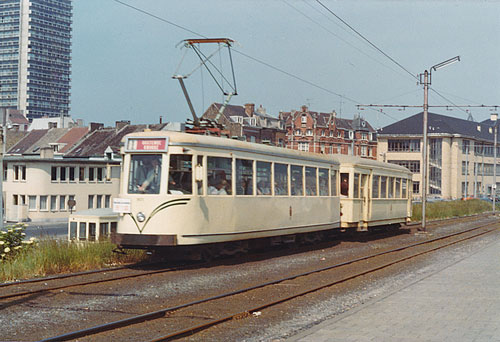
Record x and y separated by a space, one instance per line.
424 148
4 138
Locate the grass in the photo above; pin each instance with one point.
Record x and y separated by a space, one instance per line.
52 256
439 210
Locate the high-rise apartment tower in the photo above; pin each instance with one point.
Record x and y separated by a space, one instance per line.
35 56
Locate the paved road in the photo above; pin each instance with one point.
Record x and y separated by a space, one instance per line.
44 229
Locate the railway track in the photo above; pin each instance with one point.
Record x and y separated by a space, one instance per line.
65 281
196 316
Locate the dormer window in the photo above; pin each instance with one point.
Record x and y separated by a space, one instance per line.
304 119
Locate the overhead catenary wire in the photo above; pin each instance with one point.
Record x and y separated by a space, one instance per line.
248 56
367 40
385 54
336 35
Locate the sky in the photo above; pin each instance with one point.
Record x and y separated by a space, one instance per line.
287 53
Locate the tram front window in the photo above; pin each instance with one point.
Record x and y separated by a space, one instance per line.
145 174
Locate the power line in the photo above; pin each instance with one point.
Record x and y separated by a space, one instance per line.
248 56
366 39
159 18
336 35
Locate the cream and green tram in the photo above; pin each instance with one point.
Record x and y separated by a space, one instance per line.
181 189
373 193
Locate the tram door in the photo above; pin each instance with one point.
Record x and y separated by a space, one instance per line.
364 192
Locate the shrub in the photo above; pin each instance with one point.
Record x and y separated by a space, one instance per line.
12 243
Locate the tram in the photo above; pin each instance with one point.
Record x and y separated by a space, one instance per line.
182 190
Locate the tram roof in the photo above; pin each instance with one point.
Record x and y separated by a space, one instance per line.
355 161
195 140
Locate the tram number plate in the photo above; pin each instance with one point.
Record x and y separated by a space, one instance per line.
121 205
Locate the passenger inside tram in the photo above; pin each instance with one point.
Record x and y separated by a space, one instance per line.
344 184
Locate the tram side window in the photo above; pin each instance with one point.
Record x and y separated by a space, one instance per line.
333 182
323 182
311 187
280 179
344 184
219 175
403 186
391 187
398 187
145 174
383 187
375 186
180 174
199 183
356 186
244 177
297 180
264 178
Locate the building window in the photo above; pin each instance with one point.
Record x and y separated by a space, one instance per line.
32 202
298 132
71 174
53 203
91 202
331 134
43 203
465 146
364 136
309 132
62 174
19 172
303 119
15 200
100 174
406 145
81 175
412 165
416 187
322 132
98 201
304 146
53 173
107 201
62 202
91 174
363 150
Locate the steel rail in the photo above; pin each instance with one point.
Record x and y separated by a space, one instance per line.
162 312
91 282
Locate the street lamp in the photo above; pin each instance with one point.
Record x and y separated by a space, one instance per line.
427 80
494 117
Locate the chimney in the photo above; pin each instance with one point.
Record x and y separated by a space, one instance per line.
161 119
94 126
304 108
249 109
122 123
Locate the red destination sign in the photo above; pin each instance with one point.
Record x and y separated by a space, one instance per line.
156 144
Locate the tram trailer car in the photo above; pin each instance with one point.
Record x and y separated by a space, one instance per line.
373 193
179 191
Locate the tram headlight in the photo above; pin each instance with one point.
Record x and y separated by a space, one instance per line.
140 217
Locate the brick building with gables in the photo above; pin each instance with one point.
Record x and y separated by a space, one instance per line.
327 134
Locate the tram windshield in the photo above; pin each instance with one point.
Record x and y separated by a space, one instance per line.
145 174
